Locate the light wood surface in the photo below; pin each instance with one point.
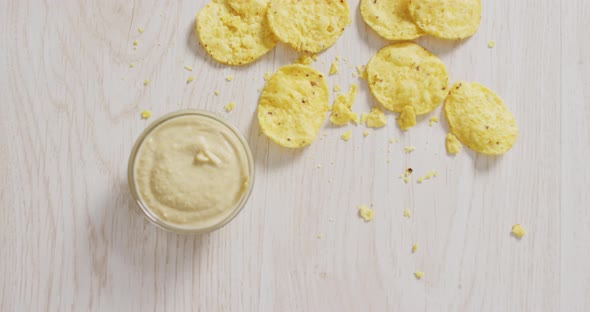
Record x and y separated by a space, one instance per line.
73 240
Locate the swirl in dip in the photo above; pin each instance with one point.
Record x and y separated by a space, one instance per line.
192 172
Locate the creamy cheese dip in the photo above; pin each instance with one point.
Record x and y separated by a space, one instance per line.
192 171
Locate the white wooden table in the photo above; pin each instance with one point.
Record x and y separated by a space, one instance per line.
72 238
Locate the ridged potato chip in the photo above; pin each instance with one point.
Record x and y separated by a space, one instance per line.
390 19
480 119
293 105
406 74
449 19
308 25
235 37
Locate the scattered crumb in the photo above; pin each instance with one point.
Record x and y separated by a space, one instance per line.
491 44
336 88
376 118
131 65
217 92
135 42
346 135
407 118
319 166
406 180
146 82
407 174
306 59
259 89
190 79
453 144
337 58
420 180
407 213
334 68
342 112
419 274
432 121
518 231
267 76
409 148
229 78
366 134
362 71
140 30
146 114
391 141
363 118
415 248
429 175
230 106
188 67
320 236
365 213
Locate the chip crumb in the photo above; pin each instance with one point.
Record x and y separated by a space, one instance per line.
376 118
229 78
334 68
362 72
146 82
415 248
318 166
407 213
407 118
342 112
363 118
391 141
406 180
229 107
366 134
135 42
419 274
491 44
409 148
217 92
131 65
188 67
420 180
346 135
146 114
336 88
453 144
432 120
320 236
267 76
190 79
140 30
306 59
365 213
337 58
518 231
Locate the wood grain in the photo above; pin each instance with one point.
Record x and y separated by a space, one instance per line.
73 240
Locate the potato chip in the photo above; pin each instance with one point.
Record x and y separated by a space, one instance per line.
406 74
308 25
480 119
449 19
293 105
342 112
407 118
235 37
390 19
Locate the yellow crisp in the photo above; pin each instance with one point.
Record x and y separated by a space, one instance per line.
190 79
449 19
346 135
479 118
146 82
405 74
308 25
518 231
188 67
235 33
407 213
293 106
342 108
334 68
419 274
453 144
432 120
146 114
407 118
376 118
365 213
415 248
230 106
390 19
